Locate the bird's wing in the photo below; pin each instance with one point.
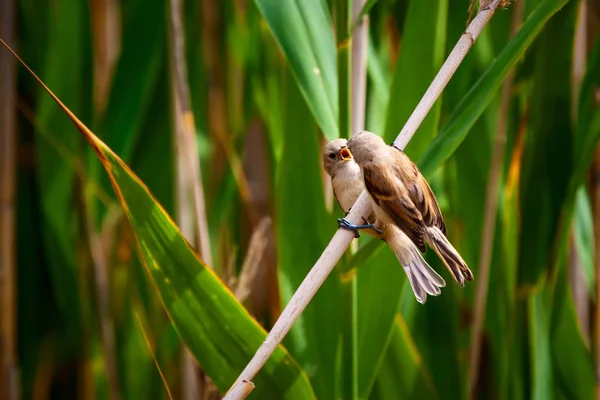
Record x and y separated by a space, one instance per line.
389 194
419 191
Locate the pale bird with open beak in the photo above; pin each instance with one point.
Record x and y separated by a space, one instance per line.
347 185
401 196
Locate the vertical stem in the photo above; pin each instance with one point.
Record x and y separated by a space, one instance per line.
576 275
349 362
186 136
593 13
489 224
94 252
106 46
359 68
358 73
105 20
350 337
342 8
595 189
215 70
8 322
191 209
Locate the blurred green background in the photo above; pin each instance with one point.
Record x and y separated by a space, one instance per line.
221 108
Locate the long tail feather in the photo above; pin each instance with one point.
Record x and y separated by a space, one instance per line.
422 278
448 254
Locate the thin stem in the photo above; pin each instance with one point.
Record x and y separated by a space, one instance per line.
9 388
101 279
581 295
342 238
343 64
491 207
595 196
350 337
595 188
344 42
186 136
343 9
359 67
358 83
191 215
106 46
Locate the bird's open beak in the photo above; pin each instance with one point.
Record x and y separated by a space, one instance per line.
345 154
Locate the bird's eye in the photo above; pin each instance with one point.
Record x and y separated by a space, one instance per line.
332 156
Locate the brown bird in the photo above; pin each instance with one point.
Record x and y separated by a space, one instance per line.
402 196
347 185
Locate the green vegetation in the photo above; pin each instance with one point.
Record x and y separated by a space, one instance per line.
108 290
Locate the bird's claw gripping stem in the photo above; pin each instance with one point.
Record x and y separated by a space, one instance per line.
345 224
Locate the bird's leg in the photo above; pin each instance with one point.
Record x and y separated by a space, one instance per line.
377 230
345 224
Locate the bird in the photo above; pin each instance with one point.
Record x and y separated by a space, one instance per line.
347 185
401 196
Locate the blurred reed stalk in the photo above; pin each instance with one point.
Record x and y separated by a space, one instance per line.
490 214
258 280
593 26
106 41
577 280
106 46
352 78
342 25
219 115
9 371
359 67
349 381
595 197
342 238
95 258
191 209
215 69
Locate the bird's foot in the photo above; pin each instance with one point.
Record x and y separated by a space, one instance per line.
345 224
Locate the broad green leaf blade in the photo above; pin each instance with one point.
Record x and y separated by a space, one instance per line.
502 304
574 373
380 281
539 342
378 87
519 381
215 326
402 374
438 334
587 133
303 228
58 153
156 138
304 33
472 163
136 74
421 56
545 181
482 93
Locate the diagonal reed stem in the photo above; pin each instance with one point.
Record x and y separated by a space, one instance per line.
342 238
